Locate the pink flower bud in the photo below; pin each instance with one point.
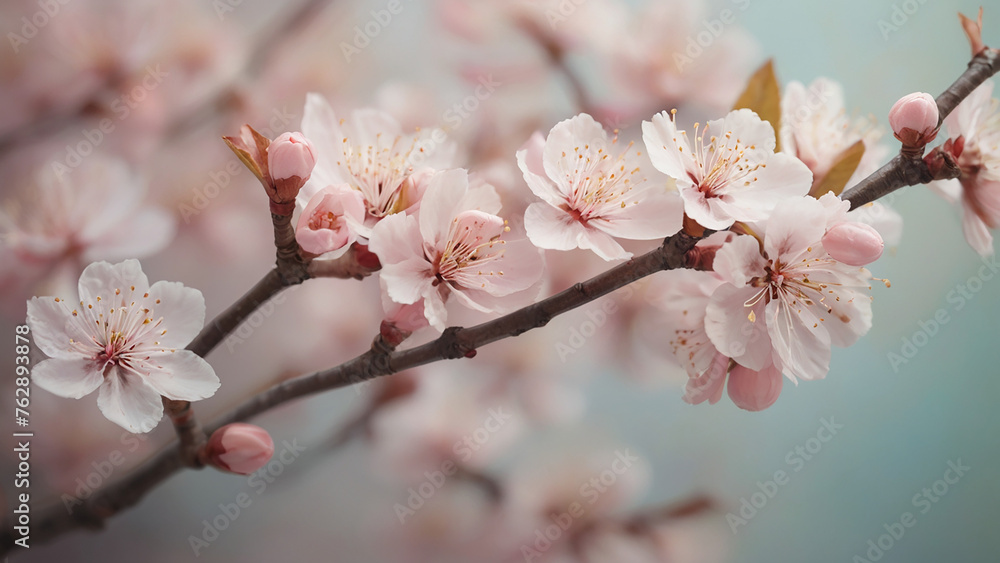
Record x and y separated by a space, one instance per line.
852 243
239 448
290 161
291 154
914 119
754 390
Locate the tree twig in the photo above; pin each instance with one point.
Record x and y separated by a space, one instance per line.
910 170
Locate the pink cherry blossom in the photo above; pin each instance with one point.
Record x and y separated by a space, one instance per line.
977 121
914 118
651 57
125 338
370 153
330 221
93 212
455 249
239 448
816 128
730 172
786 300
682 297
593 191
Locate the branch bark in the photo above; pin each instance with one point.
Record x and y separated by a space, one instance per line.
910 169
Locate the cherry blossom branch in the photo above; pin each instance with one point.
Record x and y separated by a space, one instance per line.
908 168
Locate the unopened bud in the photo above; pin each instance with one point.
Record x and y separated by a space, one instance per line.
289 156
290 161
914 119
754 390
239 448
853 243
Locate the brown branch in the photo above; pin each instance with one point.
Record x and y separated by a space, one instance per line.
189 432
909 169
380 360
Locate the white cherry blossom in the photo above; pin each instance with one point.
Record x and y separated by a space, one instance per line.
592 191
125 338
455 247
729 171
371 153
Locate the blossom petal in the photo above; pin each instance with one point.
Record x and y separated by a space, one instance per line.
181 375
126 400
529 160
739 260
70 378
321 126
755 390
54 328
440 204
728 325
552 228
668 149
784 177
801 345
655 214
709 385
977 234
521 267
101 279
567 142
795 226
603 244
183 312
711 213
434 310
